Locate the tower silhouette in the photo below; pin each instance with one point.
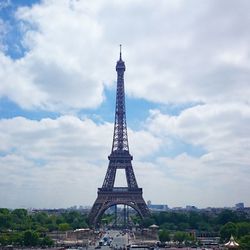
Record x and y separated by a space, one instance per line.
120 158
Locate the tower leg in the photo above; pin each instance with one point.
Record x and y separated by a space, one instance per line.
128 216
124 216
116 216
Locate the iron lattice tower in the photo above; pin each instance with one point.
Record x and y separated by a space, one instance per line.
119 158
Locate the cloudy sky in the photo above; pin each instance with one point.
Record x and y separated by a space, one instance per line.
187 97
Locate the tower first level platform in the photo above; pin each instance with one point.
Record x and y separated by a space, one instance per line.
108 198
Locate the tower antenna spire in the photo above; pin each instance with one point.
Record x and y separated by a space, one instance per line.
120 52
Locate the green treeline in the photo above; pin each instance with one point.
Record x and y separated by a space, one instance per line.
199 221
223 224
18 227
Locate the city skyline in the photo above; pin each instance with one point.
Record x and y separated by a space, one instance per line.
187 100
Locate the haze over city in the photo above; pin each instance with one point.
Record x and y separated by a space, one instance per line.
187 99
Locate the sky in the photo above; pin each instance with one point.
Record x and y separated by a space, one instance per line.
187 98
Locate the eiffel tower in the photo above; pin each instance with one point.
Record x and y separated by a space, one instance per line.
120 158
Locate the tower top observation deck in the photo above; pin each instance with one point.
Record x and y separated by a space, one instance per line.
120 65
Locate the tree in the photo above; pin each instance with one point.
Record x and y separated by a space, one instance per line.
183 226
63 227
18 227
5 221
148 222
20 220
227 230
4 240
136 219
47 242
243 228
245 242
30 238
194 219
204 226
227 216
51 227
182 236
169 226
20 213
16 238
164 235
40 218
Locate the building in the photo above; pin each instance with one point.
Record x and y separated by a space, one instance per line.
157 207
239 205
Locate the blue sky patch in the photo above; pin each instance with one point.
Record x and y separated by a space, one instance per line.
12 40
9 109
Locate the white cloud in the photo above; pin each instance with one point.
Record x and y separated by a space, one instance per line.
64 137
212 126
175 52
55 162
69 156
61 68
143 143
221 175
50 159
